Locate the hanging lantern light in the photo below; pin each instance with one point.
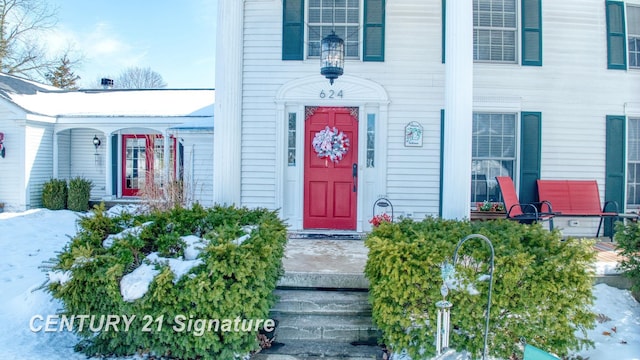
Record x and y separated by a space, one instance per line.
332 57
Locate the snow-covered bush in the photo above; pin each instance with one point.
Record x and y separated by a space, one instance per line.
162 270
542 289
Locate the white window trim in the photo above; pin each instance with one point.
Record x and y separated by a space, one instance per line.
509 105
518 40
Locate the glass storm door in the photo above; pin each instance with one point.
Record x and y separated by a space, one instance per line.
330 185
135 164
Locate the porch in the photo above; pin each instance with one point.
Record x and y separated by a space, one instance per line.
325 262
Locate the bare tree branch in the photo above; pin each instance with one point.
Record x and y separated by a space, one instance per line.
139 78
21 50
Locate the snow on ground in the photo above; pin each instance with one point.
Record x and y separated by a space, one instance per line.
28 239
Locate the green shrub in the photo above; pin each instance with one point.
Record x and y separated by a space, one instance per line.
54 194
233 281
542 288
627 237
79 194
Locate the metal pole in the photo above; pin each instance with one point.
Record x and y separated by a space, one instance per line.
455 259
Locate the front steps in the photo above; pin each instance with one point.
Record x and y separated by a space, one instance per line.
323 310
323 324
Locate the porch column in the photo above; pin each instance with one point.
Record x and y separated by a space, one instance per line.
228 103
55 155
108 181
166 145
458 99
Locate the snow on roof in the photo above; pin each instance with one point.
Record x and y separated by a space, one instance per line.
205 123
118 102
10 84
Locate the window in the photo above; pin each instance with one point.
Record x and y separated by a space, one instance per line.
494 30
371 140
493 153
341 16
291 138
633 163
633 26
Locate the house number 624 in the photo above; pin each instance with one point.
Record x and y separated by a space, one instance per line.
330 94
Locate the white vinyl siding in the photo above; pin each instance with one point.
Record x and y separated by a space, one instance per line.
633 163
339 16
198 166
38 161
494 30
493 153
12 188
633 28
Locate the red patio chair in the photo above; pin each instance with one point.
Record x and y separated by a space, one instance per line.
523 213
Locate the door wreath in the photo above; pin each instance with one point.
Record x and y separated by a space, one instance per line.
331 143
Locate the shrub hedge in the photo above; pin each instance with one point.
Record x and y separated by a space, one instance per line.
627 237
234 281
79 194
54 194
542 288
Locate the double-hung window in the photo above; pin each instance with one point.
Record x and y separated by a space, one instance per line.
360 23
633 26
494 30
497 28
633 163
339 16
493 153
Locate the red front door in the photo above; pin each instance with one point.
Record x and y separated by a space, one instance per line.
330 180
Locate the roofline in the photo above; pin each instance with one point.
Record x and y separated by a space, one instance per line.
97 90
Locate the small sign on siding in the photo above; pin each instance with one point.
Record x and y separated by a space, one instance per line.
413 134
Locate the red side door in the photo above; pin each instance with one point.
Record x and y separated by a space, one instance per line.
136 163
330 186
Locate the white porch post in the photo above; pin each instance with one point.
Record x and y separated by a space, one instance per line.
228 104
166 157
56 154
456 184
108 188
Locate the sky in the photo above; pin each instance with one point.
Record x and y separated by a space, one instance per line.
173 38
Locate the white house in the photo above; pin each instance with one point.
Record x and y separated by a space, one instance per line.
121 140
437 98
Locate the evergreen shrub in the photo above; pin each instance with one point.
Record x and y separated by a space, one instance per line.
627 237
79 194
234 281
542 290
54 194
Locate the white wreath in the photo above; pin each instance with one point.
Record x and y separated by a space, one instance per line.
331 143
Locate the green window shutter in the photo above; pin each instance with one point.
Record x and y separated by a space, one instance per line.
615 165
373 30
114 164
292 29
616 37
530 155
444 27
441 159
531 32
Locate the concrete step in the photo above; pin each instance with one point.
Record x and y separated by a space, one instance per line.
320 350
305 301
301 279
345 328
